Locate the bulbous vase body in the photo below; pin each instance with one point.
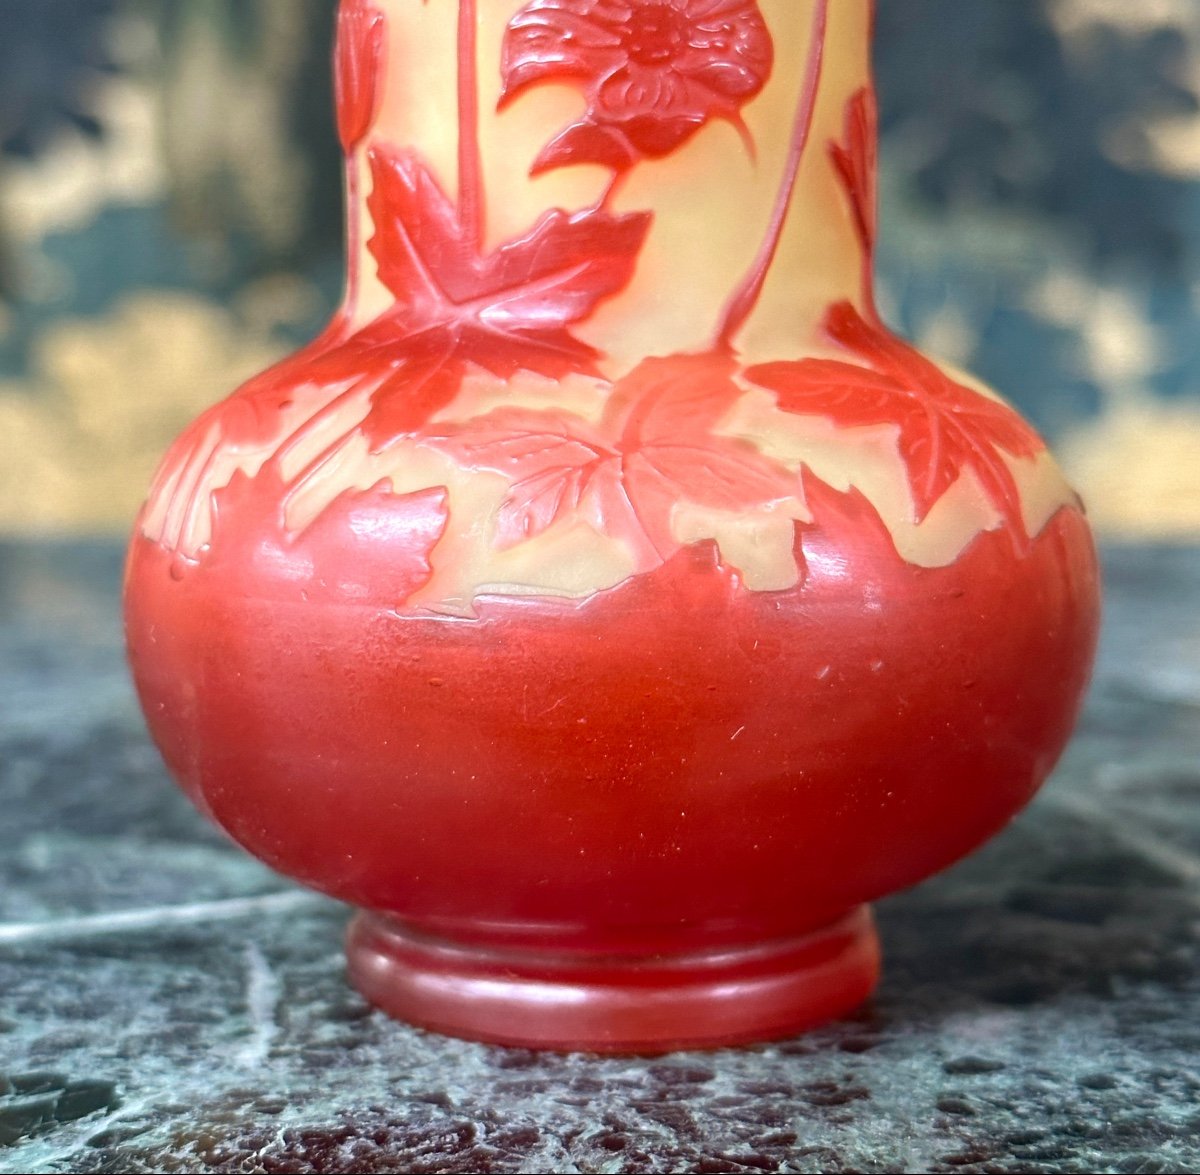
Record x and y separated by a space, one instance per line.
608 603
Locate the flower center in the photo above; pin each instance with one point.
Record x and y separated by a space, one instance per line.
655 34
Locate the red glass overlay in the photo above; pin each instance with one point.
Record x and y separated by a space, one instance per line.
647 812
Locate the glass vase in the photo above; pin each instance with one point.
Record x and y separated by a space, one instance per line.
608 604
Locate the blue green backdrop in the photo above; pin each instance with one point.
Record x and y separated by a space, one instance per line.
169 220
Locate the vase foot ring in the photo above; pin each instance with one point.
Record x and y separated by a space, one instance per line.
564 1001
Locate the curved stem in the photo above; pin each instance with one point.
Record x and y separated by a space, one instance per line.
327 411
614 186
353 232
867 280
197 499
181 507
745 298
319 462
470 163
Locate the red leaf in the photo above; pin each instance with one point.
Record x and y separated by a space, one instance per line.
667 409
553 461
418 235
369 544
945 427
509 309
653 448
562 270
417 390
856 162
663 398
357 65
587 142
410 378
725 473
506 311
374 544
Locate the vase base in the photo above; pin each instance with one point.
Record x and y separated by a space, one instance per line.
562 1001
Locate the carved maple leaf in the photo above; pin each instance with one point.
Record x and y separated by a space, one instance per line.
371 544
653 447
945 427
505 311
555 461
414 376
511 307
665 411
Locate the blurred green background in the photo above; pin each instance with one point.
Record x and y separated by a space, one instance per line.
170 222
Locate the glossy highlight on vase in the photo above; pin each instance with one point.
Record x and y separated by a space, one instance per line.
570 607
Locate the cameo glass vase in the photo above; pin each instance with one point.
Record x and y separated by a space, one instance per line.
608 604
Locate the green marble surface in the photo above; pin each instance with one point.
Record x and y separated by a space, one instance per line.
167 1004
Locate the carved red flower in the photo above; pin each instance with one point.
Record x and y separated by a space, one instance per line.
653 71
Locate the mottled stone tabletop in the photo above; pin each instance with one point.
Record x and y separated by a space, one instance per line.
166 1004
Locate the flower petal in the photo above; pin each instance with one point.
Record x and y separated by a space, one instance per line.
730 79
549 40
655 136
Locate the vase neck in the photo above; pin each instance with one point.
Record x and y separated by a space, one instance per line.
634 177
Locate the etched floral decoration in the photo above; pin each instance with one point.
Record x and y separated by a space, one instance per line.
945 428
653 74
653 446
